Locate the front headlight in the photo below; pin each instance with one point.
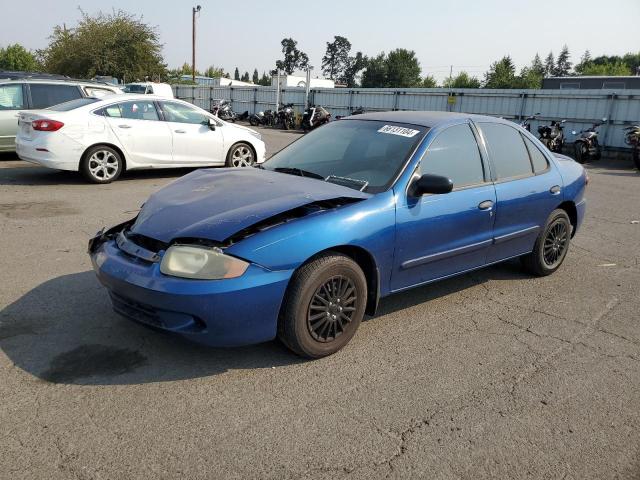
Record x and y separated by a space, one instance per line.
202 263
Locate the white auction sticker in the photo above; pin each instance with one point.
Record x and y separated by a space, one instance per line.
402 131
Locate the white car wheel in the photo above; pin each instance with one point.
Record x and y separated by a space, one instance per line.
241 155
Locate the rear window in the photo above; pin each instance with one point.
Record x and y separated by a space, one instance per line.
539 161
135 89
73 104
508 152
11 97
45 95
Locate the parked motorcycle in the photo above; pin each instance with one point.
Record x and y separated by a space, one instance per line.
526 123
222 109
314 117
286 117
632 138
586 146
552 135
358 111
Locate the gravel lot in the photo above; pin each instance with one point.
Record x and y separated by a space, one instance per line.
494 374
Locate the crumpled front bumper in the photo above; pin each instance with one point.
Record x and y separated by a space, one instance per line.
230 312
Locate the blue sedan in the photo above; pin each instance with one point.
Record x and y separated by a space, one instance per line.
306 244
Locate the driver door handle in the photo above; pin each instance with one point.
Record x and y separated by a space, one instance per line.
180 131
555 189
486 205
124 126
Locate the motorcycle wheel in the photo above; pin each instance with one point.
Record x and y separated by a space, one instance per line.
581 152
636 157
598 154
253 122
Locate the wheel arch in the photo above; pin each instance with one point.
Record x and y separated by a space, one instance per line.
366 262
104 144
237 142
570 207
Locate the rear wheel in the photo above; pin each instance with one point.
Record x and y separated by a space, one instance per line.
551 246
324 306
101 164
581 152
241 155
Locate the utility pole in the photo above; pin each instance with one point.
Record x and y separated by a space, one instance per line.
307 87
196 9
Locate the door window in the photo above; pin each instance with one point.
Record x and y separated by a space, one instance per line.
508 152
11 97
43 95
180 113
539 161
455 154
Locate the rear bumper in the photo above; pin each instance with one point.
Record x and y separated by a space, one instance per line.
44 154
231 312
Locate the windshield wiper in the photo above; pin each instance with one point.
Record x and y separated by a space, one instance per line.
298 171
354 183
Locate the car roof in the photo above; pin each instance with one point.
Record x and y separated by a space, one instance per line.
53 81
424 119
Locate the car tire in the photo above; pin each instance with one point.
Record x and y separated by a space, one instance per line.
101 164
551 246
323 306
241 155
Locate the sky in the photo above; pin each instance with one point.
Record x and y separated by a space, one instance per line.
468 34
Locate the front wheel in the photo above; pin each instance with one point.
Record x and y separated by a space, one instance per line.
323 306
551 246
241 155
101 164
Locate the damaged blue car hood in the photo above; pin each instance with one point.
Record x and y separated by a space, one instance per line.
214 204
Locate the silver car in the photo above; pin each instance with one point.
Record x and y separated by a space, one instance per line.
32 94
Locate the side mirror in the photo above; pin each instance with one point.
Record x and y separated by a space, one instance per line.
429 183
210 123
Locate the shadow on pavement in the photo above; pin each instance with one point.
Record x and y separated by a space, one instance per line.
64 331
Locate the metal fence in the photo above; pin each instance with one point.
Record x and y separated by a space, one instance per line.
580 108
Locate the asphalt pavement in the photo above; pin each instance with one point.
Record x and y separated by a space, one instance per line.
494 374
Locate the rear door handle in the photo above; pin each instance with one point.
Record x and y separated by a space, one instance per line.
486 205
555 189
124 126
180 131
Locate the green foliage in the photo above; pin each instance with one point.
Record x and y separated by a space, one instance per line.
462 80
608 69
16 57
294 59
613 65
549 65
429 82
256 77
245 77
236 74
265 80
398 69
336 58
501 74
563 64
116 44
355 65
213 72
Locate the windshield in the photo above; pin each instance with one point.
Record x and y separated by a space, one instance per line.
73 104
362 154
134 89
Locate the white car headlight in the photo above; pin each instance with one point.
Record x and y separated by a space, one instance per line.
202 263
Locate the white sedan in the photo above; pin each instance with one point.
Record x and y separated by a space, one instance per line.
103 137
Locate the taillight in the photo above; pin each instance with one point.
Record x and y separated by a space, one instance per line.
45 125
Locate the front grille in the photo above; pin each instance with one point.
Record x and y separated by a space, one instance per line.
136 311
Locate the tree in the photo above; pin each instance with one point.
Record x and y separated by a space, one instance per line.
462 80
501 74
16 57
236 74
375 74
256 77
613 69
294 59
355 65
403 69
537 66
214 72
245 77
336 58
563 64
429 82
265 80
116 44
549 65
